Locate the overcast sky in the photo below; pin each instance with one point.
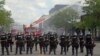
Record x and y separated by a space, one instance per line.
27 11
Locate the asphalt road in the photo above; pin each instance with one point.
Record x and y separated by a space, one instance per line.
36 53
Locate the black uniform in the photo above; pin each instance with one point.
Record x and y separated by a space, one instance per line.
10 42
46 44
81 44
55 35
63 44
53 44
19 44
67 40
89 44
4 44
29 44
42 44
35 42
49 35
75 45
23 38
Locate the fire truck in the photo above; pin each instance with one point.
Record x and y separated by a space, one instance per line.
33 29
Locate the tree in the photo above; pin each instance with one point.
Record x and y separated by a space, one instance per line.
5 16
92 17
91 20
65 18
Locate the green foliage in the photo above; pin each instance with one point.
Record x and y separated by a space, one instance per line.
5 19
65 18
2 2
92 17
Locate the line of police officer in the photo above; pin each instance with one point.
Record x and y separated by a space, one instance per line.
47 41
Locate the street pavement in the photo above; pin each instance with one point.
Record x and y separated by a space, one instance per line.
36 53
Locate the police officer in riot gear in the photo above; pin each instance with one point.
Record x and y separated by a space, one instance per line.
81 43
55 35
67 40
89 44
53 44
36 42
56 40
19 43
46 41
42 44
49 35
29 44
23 39
63 44
75 45
9 40
4 44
